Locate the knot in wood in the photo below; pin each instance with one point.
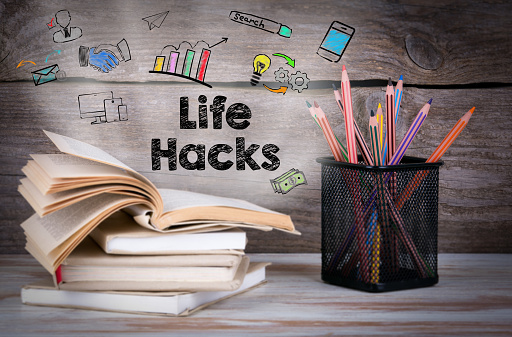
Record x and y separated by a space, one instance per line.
423 53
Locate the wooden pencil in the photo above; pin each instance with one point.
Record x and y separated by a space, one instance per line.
410 134
390 122
349 117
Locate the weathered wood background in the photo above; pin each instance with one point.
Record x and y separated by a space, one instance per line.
456 52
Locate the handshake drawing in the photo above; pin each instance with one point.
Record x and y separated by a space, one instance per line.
104 57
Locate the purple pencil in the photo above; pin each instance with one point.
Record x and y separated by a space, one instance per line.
410 134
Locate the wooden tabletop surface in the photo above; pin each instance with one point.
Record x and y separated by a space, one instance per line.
473 298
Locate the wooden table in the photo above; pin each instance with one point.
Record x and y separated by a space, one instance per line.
472 298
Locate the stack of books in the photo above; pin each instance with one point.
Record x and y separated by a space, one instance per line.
112 241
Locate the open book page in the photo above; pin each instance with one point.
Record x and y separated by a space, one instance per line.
65 166
185 206
175 200
84 150
143 216
62 230
87 151
46 204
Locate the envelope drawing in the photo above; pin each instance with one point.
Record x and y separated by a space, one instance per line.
45 75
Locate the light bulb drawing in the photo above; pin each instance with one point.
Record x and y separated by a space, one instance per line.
261 64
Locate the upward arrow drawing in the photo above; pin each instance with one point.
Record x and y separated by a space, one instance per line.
224 39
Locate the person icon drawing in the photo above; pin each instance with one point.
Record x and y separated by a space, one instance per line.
66 33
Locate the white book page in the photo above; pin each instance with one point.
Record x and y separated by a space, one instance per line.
66 166
84 150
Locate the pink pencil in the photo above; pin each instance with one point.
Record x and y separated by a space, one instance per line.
349 117
328 133
390 122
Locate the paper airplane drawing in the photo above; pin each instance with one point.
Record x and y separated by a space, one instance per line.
156 20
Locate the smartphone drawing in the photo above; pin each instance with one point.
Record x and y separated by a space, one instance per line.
335 41
112 109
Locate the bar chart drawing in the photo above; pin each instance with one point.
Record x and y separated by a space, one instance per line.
185 61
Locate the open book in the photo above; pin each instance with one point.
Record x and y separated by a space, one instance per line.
75 191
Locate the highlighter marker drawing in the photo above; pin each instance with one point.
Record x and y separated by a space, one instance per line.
261 23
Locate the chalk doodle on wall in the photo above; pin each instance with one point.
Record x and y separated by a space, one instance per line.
102 107
47 74
297 81
65 33
335 41
23 62
104 57
261 23
288 180
56 51
155 20
181 61
261 63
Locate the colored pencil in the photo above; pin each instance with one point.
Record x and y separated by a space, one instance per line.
375 141
363 147
328 133
390 122
349 117
450 137
339 99
380 120
361 143
398 96
342 148
410 134
434 157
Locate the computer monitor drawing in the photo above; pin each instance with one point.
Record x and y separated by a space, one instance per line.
92 106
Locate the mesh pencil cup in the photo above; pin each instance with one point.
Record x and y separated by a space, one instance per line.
379 224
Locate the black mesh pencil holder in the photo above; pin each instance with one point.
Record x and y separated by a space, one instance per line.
379 224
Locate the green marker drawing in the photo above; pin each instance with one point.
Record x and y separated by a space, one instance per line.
287 58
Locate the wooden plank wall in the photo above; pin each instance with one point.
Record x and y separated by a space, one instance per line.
456 52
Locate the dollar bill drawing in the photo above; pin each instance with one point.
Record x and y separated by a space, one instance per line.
288 180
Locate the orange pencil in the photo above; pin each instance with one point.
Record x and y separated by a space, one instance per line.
349 117
434 157
450 137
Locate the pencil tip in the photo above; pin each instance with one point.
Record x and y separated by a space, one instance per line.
309 105
316 104
343 68
389 81
380 106
401 78
334 87
472 109
430 101
372 113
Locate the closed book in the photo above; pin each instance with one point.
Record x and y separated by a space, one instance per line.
88 267
151 303
120 234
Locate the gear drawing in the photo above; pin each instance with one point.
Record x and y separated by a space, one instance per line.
281 75
299 81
